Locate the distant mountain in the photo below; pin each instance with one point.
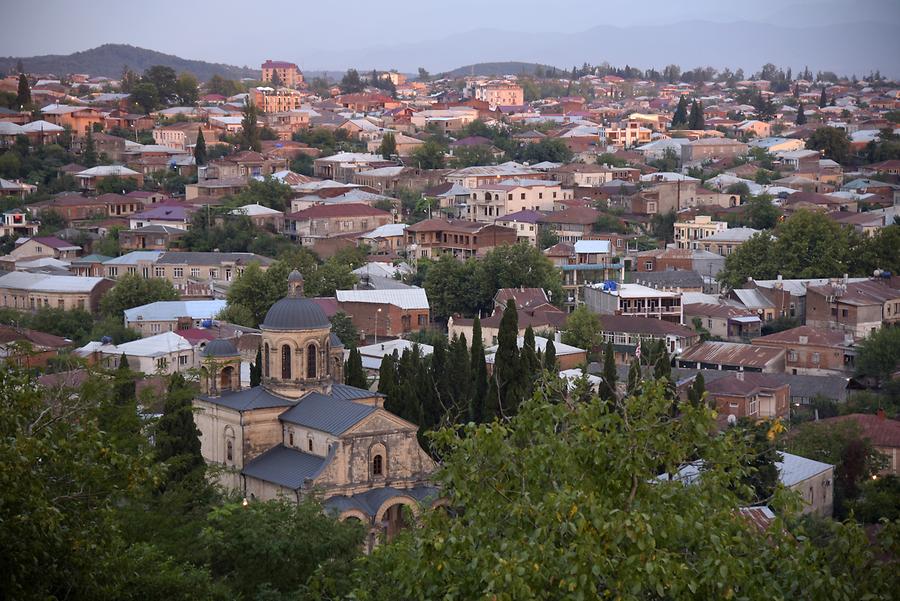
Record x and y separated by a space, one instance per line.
499 69
107 60
851 47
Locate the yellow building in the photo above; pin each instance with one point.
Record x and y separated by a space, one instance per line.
698 228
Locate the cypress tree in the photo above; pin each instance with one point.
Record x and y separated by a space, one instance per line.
507 367
801 115
530 362
177 437
439 372
387 381
662 366
479 376
89 154
460 377
23 95
696 120
200 149
125 382
256 369
610 377
680 117
796 90
696 391
550 358
354 374
250 128
823 99
634 378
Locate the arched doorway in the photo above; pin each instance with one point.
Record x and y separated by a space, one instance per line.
395 515
225 377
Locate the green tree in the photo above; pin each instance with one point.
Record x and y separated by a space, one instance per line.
459 373
582 330
697 390
429 155
477 410
250 131
89 153
801 115
200 149
388 147
550 363
608 387
387 378
573 489
833 142
507 384
351 82
680 116
761 475
696 120
186 89
342 326
878 355
145 96
634 378
277 546
132 290
354 375
547 238
165 81
256 369
177 438
514 266
756 257
117 185
823 99
761 213
23 94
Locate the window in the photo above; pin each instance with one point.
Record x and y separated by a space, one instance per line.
291 438
162 363
195 272
182 360
648 266
792 355
178 272
214 274
423 319
266 360
309 445
815 358
145 272
845 312
522 196
132 270
160 272
285 362
753 406
229 450
311 361
377 465
154 328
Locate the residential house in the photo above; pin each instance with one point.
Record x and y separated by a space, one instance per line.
627 332
388 239
216 269
749 395
724 242
540 321
344 165
500 94
511 196
723 321
80 119
611 298
567 356
812 479
212 191
883 433
171 215
15 189
483 175
688 233
461 238
31 291
150 237
858 308
524 222
172 316
162 354
814 351
44 246
570 225
329 220
705 263
733 356
89 178
711 149
262 217
90 265
16 223
388 313
244 164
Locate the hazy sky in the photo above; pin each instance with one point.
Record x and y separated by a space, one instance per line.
245 33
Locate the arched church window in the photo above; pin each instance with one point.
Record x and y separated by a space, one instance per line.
285 362
229 450
377 465
266 360
311 361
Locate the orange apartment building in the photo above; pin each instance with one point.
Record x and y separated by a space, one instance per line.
269 100
288 73
463 239
500 94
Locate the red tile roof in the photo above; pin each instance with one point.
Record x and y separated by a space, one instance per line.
883 432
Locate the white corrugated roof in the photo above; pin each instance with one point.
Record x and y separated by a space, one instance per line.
793 469
39 282
161 344
167 310
592 246
134 257
409 298
387 230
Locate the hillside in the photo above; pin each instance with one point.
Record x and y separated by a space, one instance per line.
503 68
107 60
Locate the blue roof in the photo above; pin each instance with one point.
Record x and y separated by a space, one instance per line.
370 501
352 393
285 467
249 398
326 413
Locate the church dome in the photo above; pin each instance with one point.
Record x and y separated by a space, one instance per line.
220 348
295 312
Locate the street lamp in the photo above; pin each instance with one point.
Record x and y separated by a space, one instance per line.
376 324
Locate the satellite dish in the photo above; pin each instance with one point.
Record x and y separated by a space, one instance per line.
732 420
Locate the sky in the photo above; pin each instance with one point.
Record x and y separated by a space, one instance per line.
328 35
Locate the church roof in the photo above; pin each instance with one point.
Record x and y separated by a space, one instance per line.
327 413
295 313
370 502
285 467
249 398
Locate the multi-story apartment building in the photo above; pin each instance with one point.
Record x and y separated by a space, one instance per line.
570 225
30 291
329 220
711 149
491 201
460 238
856 308
272 100
216 269
287 73
814 351
698 228
182 136
500 94
631 133
724 242
611 298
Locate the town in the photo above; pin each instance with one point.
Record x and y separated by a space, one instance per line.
541 332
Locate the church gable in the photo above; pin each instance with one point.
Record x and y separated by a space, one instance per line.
380 421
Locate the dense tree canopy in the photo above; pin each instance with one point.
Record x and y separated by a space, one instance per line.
132 290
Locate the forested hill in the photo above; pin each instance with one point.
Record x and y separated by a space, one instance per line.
504 68
107 60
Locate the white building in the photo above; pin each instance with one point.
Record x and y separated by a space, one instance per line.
169 316
162 354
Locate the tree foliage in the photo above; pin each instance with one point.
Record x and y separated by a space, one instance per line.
132 290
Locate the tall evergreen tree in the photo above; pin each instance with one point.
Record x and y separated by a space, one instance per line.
256 369
479 376
177 438
250 128
696 120
610 377
680 117
697 390
823 99
276 80
634 378
354 374
662 366
89 153
507 384
200 149
801 115
550 363
796 90
530 362
388 146
460 377
439 370
23 95
387 381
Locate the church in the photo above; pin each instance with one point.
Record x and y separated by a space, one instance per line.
302 432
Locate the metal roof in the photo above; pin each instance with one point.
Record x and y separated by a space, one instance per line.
295 313
793 469
168 310
370 502
248 399
38 282
285 467
409 298
326 413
